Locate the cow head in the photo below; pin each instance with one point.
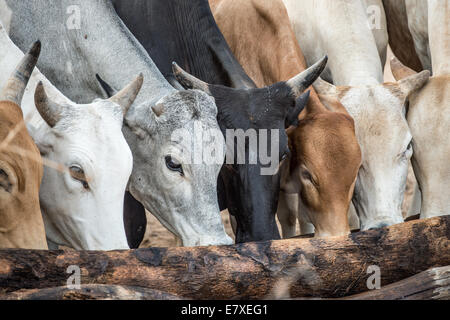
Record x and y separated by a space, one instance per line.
253 122
168 179
323 165
82 200
429 118
21 224
385 141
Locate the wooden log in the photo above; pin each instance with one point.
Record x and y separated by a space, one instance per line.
433 284
328 267
90 292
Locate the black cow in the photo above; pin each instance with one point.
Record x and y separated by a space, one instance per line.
185 32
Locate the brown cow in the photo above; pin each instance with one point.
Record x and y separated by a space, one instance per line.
21 224
325 154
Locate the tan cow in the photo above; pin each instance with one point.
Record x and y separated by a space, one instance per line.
429 113
21 224
321 171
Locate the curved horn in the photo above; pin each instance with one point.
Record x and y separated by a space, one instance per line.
15 87
305 79
300 104
188 81
127 95
51 112
399 70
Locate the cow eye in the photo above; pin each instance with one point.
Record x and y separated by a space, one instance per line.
77 173
174 165
306 176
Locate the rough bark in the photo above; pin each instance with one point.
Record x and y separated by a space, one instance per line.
90 292
432 284
329 267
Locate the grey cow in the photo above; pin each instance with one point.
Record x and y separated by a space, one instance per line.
83 37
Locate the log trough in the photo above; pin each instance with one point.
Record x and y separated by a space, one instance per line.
294 268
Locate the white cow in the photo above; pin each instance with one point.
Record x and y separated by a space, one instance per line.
342 30
429 109
81 195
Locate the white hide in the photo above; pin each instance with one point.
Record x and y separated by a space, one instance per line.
417 11
89 136
429 108
384 138
340 29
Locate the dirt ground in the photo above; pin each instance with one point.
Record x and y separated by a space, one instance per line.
158 236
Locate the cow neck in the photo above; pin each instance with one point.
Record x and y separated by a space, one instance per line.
184 31
356 68
439 27
354 58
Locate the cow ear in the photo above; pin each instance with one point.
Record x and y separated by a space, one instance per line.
302 81
188 81
125 98
399 70
300 104
414 82
142 121
50 111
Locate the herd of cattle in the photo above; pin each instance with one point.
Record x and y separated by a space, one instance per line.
117 78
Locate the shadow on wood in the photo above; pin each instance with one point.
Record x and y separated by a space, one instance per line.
90 292
328 267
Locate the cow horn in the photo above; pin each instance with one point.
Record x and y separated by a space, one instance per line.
188 81
399 70
125 98
15 87
414 82
300 104
306 78
50 111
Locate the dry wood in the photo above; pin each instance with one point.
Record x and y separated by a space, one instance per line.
432 284
90 292
329 267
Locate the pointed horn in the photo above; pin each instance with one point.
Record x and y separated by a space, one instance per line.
51 112
105 86
188 81
15 87
399 70
305 79
125 98
300 104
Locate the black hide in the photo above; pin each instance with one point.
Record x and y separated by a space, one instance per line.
185 31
